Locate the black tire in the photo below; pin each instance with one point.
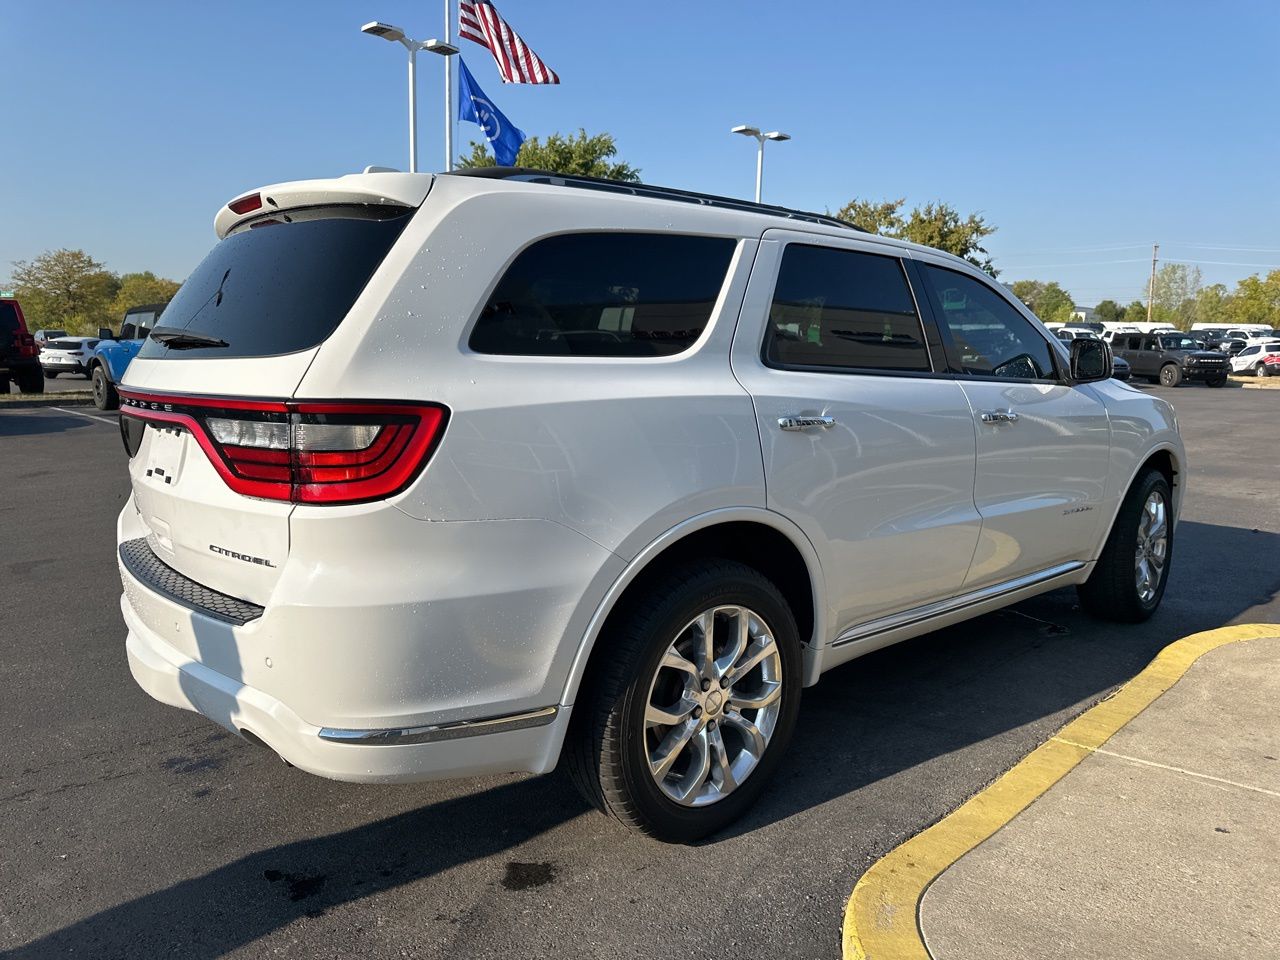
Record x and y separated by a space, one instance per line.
104 391
4 383
1261 370
51 374
1170 375
607 752
29 379
1111 592
1218 381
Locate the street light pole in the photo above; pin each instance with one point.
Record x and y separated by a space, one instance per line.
443 47
760 138
448 92
413 109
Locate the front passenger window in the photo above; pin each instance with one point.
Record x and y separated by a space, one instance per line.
992 338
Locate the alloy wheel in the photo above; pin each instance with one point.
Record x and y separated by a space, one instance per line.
713 705
1153 546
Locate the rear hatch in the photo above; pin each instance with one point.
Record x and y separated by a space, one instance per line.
10 330
204 405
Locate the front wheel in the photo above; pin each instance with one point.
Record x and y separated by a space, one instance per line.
1170 375
691 701
1129 579
104 391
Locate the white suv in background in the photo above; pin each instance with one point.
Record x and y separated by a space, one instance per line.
1260 359
447 475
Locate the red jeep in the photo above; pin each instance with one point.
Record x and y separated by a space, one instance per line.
19 355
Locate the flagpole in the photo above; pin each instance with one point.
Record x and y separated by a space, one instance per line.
448 92
413 110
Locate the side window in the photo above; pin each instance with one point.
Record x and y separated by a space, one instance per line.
1250 350
1135 343
128 331
1149 343
993 338
605 295
845 310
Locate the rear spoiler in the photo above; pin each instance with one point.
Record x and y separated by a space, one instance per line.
395 189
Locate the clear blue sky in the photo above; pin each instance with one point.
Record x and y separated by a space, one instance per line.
1072 127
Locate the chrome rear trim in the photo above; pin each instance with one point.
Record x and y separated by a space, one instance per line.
444 731
919 614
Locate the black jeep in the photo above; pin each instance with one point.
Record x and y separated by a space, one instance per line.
1170 358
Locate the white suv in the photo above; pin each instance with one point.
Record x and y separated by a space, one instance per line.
448 475
1260 359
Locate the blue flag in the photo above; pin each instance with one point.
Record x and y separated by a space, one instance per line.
473 105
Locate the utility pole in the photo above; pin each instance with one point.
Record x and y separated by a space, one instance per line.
1151 288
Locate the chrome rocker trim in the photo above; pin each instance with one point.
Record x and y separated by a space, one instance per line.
919 614
443 731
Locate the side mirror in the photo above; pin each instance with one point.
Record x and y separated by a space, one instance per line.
1090 361
104 333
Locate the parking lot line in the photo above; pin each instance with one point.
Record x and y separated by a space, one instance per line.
881 920
87 416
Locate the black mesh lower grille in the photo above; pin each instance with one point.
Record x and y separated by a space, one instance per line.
142 563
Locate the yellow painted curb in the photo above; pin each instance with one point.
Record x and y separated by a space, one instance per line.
881 918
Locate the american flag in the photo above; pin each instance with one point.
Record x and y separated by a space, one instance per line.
479 20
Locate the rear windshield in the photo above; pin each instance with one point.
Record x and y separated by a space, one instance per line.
8 317
280 285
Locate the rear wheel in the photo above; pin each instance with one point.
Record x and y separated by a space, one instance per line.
104 391
1261 370
1170 375
685 716
4 383
1129 579
29 379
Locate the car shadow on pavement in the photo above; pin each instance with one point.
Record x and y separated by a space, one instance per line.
22 423
1025 670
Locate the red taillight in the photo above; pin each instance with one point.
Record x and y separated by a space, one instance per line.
327 453
246 204
27 345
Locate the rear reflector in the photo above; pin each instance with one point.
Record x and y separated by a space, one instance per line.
340 452
246 204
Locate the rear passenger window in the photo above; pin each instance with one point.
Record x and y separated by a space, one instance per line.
605 295
845 310
991 337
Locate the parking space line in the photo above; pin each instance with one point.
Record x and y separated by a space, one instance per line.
881 919
87 416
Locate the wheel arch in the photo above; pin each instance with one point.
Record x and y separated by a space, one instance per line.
762 538
1166 458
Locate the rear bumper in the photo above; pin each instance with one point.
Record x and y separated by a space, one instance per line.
75 366
522 743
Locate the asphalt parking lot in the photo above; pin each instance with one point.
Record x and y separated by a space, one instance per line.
132 829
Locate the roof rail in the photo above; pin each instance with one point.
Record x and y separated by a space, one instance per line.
526 175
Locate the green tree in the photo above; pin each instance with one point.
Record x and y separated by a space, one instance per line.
1177 285
1255 299
1136 312
1108 311
140 288
884 217
935 225
66 289
583 155
1048 301
1209 304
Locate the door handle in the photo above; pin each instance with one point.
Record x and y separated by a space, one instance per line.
803 423
998 416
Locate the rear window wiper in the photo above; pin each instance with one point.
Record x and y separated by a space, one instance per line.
176 338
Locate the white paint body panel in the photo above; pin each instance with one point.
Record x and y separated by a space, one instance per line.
480 590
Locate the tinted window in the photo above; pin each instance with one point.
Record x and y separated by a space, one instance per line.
281 287
605 295
1250 350
992 338
128 331
8 317
843 309
1181 343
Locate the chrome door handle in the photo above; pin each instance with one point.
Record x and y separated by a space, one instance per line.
999 416
803 423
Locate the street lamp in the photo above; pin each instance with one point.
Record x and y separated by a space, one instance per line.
443 47
761 138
